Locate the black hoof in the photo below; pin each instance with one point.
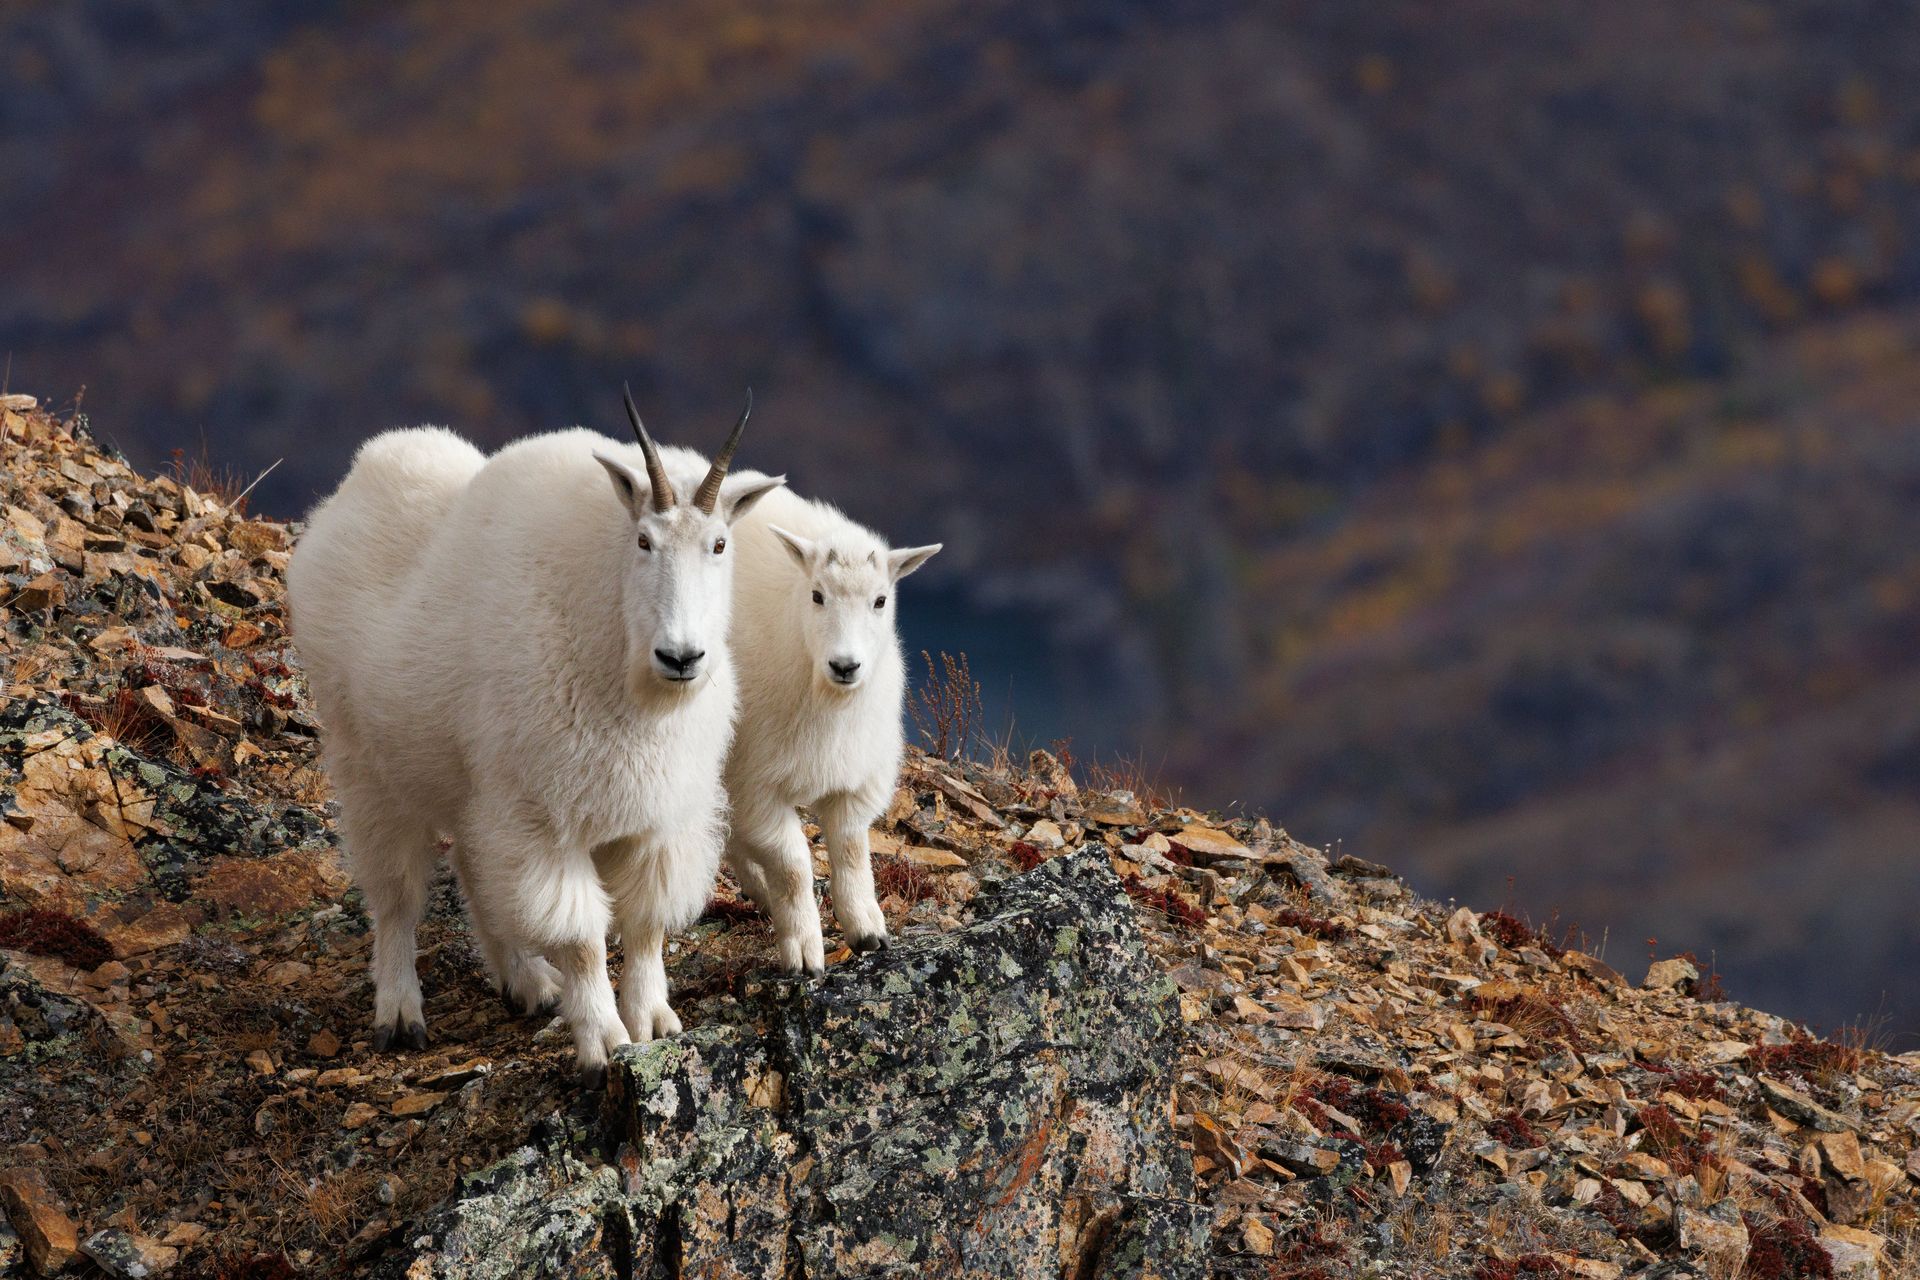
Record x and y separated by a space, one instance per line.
593 1079
412 1035
520 1009
872 942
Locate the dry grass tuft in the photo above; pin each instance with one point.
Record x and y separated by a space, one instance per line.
1129 773
222 482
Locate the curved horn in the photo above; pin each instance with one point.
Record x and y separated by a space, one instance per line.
663 494
709 491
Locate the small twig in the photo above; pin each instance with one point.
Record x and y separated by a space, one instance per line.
242 497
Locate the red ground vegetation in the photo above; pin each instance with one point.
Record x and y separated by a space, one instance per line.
1668 1139
1513 1130
54 933
1784 1248
730 909
264 1266
1513 934
1528 1266
1312 1253
1330 930
1539 1016
1376 1111
1804 1055
1166 902
895 876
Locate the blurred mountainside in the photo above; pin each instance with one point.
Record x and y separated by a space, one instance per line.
1484 430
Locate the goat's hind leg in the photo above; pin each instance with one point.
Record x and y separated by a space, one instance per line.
747 874
391 857
530 985
551 903
526 983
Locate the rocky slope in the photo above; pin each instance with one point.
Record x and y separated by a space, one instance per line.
1294 317
1114 1038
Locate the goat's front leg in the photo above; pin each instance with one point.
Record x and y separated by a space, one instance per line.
586 1001
643 983
768 851
659 883
844 820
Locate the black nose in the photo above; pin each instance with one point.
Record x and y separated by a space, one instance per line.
681 664
843 670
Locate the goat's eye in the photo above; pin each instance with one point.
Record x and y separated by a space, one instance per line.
880 602
646 543
818 598
719 545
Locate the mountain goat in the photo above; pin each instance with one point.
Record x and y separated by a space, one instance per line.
528 654
821 687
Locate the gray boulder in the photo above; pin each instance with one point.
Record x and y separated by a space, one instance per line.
992 1102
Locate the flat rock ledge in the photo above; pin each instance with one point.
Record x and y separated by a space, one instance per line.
996 1101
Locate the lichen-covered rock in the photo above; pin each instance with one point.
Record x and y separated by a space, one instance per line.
998 1101
992 1102
39 1017
540 1212
185 822
124 1255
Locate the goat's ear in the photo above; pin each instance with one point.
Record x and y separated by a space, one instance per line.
798 547
737 498
904 561
629 484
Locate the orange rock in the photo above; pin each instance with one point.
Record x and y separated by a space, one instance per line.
44 592
272 886
416 1103
39 1219
167 925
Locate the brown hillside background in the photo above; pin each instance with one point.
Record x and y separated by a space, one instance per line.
1483 436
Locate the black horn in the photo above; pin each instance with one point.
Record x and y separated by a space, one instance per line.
709 492
663 494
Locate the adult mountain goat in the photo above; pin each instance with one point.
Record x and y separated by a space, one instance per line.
821 687
528 654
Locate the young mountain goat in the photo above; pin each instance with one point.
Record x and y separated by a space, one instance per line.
528 654
821 686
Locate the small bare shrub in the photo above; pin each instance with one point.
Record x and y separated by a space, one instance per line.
947 710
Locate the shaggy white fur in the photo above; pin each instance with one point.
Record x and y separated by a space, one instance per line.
521 654
821 688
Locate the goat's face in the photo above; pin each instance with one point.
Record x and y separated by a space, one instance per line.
846 605
679 576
